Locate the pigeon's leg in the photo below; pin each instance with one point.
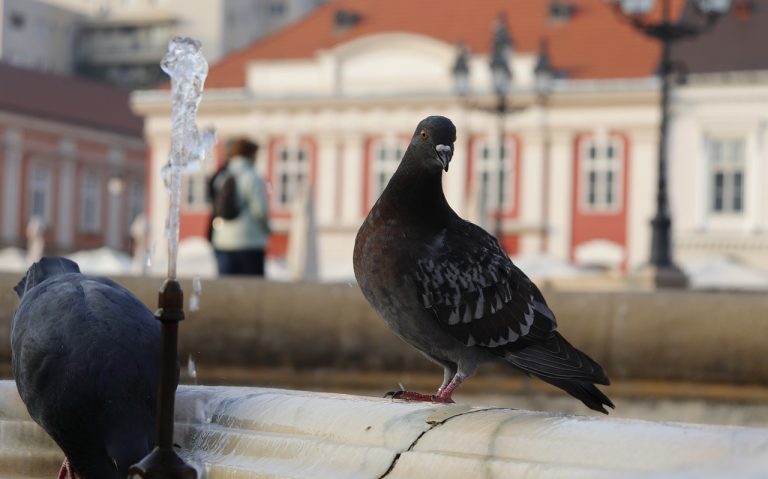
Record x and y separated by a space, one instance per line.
448 374
444 393
66 471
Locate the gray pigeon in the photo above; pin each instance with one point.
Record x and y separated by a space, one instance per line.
85 355
446 287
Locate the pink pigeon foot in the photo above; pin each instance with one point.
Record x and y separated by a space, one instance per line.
66 471
414 396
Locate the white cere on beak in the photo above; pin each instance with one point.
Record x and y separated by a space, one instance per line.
444 152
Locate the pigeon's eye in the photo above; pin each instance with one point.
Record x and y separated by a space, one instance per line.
424 134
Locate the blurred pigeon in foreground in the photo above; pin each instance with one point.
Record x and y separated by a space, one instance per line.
446 287
85 355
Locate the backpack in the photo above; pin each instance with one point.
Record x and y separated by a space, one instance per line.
225 200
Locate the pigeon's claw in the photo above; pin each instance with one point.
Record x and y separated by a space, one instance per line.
66 471
414 396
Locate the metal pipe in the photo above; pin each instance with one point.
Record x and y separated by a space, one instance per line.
163 462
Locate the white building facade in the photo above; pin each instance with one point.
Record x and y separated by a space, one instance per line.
339 117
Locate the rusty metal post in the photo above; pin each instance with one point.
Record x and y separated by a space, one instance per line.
163 462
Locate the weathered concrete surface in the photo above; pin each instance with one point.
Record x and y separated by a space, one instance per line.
239 433
669 335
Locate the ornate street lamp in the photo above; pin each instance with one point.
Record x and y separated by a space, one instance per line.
502 81
667 31
544 75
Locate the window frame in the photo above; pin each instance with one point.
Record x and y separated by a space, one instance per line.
136 199
90 192
602 167
296 169
485 164
729 167
383 167
46 189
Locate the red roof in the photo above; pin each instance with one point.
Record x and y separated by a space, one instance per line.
67 99
593 43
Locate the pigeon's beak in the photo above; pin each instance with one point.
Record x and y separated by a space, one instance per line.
444 153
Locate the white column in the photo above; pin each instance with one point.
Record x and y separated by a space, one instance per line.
561 191
352 174
755 174
115 214
326 175
12 186
531 183
455 180
67 196
642 194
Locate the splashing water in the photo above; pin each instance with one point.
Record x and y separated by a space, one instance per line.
187 67
148 254
192 369
197 289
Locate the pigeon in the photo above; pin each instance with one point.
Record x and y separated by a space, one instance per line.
85 357
446 287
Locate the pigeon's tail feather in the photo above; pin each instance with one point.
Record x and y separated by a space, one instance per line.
560 364
584 391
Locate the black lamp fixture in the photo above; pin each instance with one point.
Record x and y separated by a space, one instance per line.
501 74
667 31
543 72
544 76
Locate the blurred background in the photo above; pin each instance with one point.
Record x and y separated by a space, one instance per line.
617 148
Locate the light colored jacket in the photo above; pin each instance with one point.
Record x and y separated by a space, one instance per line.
250 230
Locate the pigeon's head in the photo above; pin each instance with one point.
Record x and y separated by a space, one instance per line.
45 268
433 142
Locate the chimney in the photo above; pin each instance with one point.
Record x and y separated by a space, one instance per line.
344 20
560 11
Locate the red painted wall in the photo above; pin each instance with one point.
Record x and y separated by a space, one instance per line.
593 225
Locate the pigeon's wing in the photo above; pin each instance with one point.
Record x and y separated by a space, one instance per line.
475 292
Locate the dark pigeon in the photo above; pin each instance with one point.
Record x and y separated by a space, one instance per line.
446 287
85 355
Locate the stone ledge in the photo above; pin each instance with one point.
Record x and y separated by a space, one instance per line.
248 433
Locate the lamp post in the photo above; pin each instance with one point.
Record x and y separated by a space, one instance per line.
501 74
667 31
544 75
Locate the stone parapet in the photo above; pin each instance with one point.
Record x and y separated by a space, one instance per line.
249 433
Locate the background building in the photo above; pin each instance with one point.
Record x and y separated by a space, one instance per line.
122 42
71 154
36 34
333 101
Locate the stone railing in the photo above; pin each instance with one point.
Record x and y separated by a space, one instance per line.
239 433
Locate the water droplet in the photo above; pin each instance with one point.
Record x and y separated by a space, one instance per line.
192 368
194 303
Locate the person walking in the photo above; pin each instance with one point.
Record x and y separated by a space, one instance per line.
240 225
